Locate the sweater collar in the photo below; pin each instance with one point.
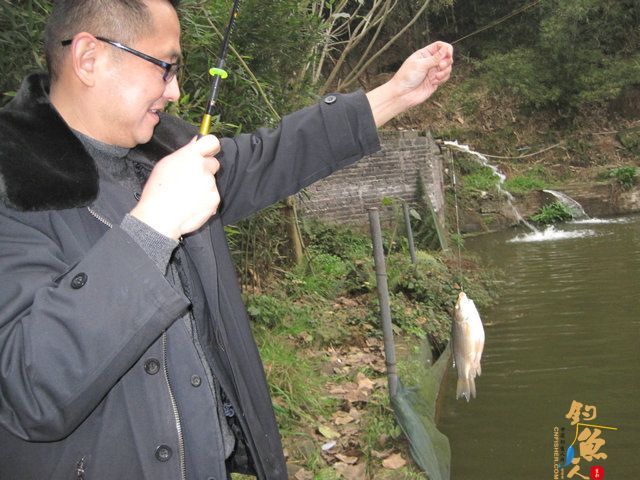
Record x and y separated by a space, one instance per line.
94 146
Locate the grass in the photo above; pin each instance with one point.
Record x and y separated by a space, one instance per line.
296 387
381 432
323 275
525 184
484 180
380 429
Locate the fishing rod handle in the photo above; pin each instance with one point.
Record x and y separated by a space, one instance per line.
205 125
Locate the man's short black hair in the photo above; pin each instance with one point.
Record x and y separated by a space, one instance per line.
120 20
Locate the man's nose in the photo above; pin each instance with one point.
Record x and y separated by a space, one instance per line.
172 90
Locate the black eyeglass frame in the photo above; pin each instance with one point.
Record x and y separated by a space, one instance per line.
170 69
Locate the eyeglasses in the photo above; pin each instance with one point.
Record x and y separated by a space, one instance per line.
170 69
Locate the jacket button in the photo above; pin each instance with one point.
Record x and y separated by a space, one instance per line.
79 280
152 366
228 409
196 381
163 453
330 99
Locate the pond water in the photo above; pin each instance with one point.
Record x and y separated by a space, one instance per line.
563 337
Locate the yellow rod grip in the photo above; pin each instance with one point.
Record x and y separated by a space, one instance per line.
205 125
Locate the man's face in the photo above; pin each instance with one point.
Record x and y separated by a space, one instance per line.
132 90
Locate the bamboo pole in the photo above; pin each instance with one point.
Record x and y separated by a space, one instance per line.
407 223
383 296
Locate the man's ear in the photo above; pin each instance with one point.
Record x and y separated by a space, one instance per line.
84 57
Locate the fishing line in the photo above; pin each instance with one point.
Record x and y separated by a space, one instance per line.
517 11
455 202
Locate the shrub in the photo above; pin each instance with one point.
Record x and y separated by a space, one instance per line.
324 275
267 310
626 177
553 213
341 241
259 245
425 232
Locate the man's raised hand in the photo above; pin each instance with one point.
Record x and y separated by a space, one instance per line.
419 76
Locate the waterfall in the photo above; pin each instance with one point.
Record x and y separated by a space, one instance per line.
577 212
496 171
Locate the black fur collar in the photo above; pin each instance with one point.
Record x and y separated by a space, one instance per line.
43 166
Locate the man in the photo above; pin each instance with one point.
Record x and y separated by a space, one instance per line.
125 350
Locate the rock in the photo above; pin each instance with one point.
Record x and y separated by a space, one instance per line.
297 472
329 445
394 462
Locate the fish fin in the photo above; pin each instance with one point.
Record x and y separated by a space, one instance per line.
472 387
462 389
474 369
477 368
479 349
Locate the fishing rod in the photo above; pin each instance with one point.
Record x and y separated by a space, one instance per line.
218 73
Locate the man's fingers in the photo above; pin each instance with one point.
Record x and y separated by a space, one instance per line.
426 60
207 146
442 77
445 49
436 55
440 50
211 165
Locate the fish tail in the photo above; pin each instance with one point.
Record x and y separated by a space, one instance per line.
463 389
472 387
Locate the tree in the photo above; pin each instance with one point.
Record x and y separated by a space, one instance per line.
585 53
356 34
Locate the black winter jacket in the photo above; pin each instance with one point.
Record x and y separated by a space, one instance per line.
83 309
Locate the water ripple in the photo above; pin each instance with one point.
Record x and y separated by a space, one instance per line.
551 234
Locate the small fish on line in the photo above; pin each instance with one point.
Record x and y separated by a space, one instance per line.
467 337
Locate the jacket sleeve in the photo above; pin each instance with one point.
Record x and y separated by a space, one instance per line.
259 169
69 329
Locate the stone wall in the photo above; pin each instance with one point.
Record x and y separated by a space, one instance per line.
345 196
